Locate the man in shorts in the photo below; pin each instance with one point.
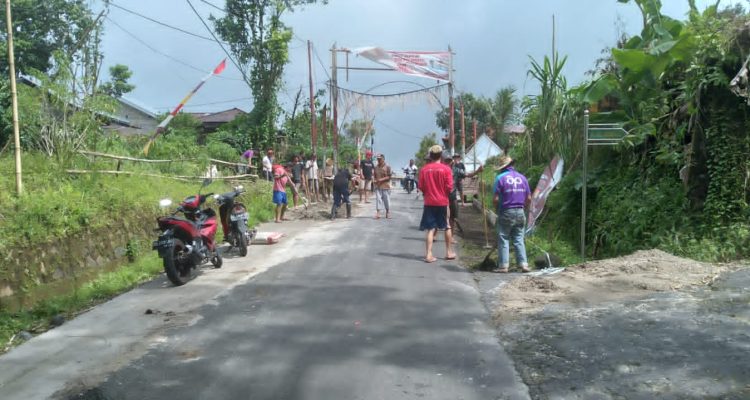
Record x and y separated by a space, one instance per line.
280 180
436 183
367 167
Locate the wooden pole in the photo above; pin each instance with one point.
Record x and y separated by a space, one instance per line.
451 128
474 146
313 127
463 132
335 100
14 99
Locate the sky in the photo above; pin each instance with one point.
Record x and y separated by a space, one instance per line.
492 41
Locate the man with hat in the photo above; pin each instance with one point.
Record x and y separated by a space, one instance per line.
436 183
512 195
382 187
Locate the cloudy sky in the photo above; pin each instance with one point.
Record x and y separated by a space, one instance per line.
492 41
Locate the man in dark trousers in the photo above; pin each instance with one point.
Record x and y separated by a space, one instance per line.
341 182
436 184
367 167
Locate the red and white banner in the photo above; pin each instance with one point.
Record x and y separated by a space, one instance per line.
549 179
426 64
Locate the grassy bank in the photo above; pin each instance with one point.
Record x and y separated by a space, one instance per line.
58 205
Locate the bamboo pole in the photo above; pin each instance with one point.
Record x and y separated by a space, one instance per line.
14 98
313 127
177 177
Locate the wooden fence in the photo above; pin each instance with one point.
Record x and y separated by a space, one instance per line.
121 159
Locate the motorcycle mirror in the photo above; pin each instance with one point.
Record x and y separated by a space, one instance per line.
206 182
164 203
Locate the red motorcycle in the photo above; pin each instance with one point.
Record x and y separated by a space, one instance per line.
186 243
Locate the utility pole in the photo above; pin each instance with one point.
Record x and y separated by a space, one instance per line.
313 127
451 129
463 132
14 97
334 93
474 146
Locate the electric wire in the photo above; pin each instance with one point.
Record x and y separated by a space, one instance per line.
160 23
177 60
212 103
219 42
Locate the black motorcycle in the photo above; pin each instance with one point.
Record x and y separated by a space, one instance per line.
234 220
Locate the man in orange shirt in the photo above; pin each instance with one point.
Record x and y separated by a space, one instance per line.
436 184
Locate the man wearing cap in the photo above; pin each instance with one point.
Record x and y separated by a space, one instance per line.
436 183
366 166
512 195
382 187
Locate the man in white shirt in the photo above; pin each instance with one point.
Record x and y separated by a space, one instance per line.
268 166
312 177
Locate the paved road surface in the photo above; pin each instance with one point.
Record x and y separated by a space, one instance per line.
357 316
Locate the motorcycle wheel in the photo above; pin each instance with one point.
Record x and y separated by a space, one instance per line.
242 243
216 260
179 273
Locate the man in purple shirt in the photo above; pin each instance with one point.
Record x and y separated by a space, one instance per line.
512 195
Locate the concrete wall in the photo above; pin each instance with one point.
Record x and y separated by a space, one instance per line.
34 273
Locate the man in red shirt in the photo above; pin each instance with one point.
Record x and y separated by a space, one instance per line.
436 183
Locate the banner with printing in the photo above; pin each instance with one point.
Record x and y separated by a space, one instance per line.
425 64
549 179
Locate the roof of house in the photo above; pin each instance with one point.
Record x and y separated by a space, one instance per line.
515 129
218 117
483 149
138 106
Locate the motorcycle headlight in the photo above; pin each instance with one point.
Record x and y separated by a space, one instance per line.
164 203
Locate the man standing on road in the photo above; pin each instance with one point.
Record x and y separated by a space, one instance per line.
312 178
341 182
366 167
459 173
268 165
512 195
297 169
280 180
382 186
436 183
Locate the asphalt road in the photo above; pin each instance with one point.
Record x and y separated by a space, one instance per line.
351 313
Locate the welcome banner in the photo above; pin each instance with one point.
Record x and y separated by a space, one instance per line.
425 64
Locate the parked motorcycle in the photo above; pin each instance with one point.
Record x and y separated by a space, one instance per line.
187 242
234 217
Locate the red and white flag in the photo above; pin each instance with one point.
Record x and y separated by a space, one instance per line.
549 179
425 64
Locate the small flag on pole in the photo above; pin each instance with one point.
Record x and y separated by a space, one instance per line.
163 124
